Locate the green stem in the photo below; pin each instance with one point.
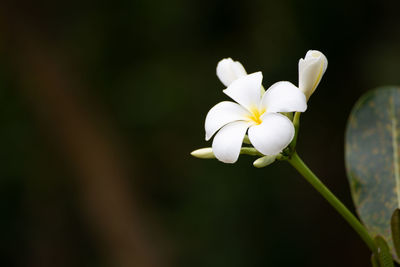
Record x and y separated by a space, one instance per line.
250 151
296 124
302 168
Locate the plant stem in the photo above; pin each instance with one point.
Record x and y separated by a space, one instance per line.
302 168
296 124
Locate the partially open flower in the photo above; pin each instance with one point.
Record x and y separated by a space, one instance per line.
311 70
269 132
229 70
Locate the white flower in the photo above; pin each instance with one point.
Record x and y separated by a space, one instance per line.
268 131
311 70
229 70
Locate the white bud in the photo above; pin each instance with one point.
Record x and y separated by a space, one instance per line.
311 70
264 161
203 153
229 70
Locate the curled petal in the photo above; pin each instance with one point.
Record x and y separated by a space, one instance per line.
229 70
228 141
311 70
222 114
283 97
246 90
273 135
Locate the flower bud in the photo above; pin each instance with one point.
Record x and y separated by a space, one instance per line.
311 70
229 70
203 153
264 161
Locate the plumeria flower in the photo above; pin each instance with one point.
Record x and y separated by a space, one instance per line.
229 70
256 113
311 70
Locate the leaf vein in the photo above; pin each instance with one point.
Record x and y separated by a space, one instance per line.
395 148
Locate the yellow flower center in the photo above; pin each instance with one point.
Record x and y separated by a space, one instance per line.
256 115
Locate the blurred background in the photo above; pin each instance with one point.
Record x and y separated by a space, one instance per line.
101 103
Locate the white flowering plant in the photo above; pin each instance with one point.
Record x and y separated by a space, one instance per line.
258 117
265 124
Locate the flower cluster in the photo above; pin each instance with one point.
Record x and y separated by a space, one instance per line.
258 112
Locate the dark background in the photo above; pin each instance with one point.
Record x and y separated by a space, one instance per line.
101 103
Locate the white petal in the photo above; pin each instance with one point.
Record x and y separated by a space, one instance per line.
228 141
229 70
222 114
311 70
273 135
246 90
283 97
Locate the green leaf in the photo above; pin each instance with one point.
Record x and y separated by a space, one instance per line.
372 159
395 227
384 256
